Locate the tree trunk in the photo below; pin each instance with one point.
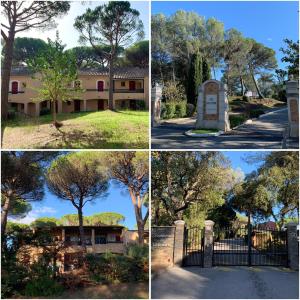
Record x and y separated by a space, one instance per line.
260 95
81 230
6 70
242 86
111 84
140 224
54 112
4 212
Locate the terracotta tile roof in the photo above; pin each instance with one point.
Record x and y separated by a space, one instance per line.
15 71
120 73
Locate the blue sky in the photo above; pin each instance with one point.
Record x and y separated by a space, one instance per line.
237 159
69 35
118 201
269 22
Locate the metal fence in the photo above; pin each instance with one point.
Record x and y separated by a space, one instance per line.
245 246
193 246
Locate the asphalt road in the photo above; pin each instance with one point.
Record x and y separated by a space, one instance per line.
226 283
265 132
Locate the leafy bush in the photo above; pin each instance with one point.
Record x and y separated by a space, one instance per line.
45 111
170 110
180 109
12 275
43 287
255 113
42 278
137 252
110 268
190 109
140 261
236 120
11 114
173 92
140 105
245 98
163 110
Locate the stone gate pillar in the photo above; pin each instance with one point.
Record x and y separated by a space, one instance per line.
293 246
179 243
156 93
212 106
292 94
208 243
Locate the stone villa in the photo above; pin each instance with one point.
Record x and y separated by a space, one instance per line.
130 86
65 239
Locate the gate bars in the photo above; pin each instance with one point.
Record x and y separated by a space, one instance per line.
193 246
245 246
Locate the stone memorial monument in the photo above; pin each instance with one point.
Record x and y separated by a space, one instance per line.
292 94
212 106
156 93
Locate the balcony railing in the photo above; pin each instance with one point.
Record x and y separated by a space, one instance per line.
128 91
77 243
19 92
117 90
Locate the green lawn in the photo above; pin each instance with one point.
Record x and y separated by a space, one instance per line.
205 130
85 130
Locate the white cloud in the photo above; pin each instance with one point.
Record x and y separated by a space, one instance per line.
45 209
34 214
269 39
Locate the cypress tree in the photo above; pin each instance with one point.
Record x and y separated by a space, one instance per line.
206 75
194 78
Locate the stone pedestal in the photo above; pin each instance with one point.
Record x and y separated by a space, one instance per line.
293 246
178 243
208 243
292 94
212 106
156 94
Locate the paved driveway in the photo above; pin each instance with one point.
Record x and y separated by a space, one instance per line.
265 132
226 283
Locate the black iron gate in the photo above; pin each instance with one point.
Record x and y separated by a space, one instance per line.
193 246
252 246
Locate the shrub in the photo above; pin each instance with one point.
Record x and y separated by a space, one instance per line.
236 120
245 98
173 92
190 109
163 110
43 287
109 268
11 114
12 276
45 111
140 105
136 251
180 109
170 110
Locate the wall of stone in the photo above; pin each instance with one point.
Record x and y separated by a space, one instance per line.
162 247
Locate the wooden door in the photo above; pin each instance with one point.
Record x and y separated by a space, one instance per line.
14 87
76 105
100 104
100 86
131 85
